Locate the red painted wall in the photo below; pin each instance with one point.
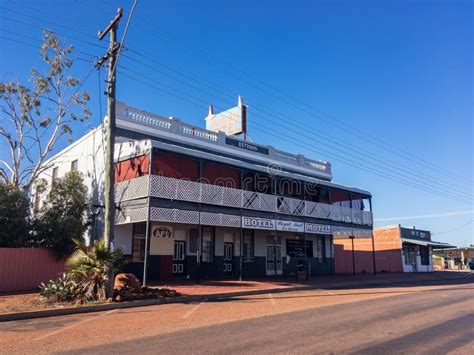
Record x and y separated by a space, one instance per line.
23 269
132 168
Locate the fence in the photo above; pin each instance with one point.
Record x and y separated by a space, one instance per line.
23 269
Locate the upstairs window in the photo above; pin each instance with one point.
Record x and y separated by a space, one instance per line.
74 165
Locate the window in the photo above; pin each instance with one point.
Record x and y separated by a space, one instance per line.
207 244
425 256
74 165
139 241
175 166
55 175
193 240
249 246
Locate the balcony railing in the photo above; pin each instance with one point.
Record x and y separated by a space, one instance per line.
185 190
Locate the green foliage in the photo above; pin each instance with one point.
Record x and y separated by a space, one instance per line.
63 215
89 266
14 208
64 289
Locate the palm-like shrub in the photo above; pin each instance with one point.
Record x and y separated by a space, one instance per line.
89 266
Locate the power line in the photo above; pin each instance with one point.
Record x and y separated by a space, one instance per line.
454 230
361 167
333 145
122 42
296 141
363 135
360 150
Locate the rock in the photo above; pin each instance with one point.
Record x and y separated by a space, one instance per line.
118 298
125 281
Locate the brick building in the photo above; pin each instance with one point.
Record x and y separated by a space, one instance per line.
394 249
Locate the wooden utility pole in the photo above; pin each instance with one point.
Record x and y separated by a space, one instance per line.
111 56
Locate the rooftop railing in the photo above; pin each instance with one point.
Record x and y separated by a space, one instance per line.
176 126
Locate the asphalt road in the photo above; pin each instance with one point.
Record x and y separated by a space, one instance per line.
421 318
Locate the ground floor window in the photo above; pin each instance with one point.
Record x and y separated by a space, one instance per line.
425 256
208 234
409 255
249 246
139 241
321 249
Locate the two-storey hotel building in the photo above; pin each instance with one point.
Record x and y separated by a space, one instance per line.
195 203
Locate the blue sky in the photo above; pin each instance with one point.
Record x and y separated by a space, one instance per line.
399 71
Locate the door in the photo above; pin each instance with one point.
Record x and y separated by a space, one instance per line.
274 263
228 258
179 258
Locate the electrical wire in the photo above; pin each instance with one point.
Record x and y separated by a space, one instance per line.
336 146
330 119
377 172
454 230
361 151
296 141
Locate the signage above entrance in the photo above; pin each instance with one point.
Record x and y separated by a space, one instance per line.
163 232
258 223
318 228
289 226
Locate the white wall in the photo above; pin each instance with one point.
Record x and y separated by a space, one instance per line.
89 153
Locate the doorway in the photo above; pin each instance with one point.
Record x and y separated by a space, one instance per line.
179 258
228 258
274 263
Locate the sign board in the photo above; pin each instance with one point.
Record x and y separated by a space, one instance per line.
232 121
162 232
454 254
247 146
289 226
258 223
318 228
296 248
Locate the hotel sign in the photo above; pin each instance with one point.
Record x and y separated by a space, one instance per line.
247 146
289 226
318 228
258 223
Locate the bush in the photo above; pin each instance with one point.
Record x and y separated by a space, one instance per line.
64 289
63 215
14 207
89 266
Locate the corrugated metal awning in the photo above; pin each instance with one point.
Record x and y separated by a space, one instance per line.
435 245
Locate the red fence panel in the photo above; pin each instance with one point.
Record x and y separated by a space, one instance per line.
23 269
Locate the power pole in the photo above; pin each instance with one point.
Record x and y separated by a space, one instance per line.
111 55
